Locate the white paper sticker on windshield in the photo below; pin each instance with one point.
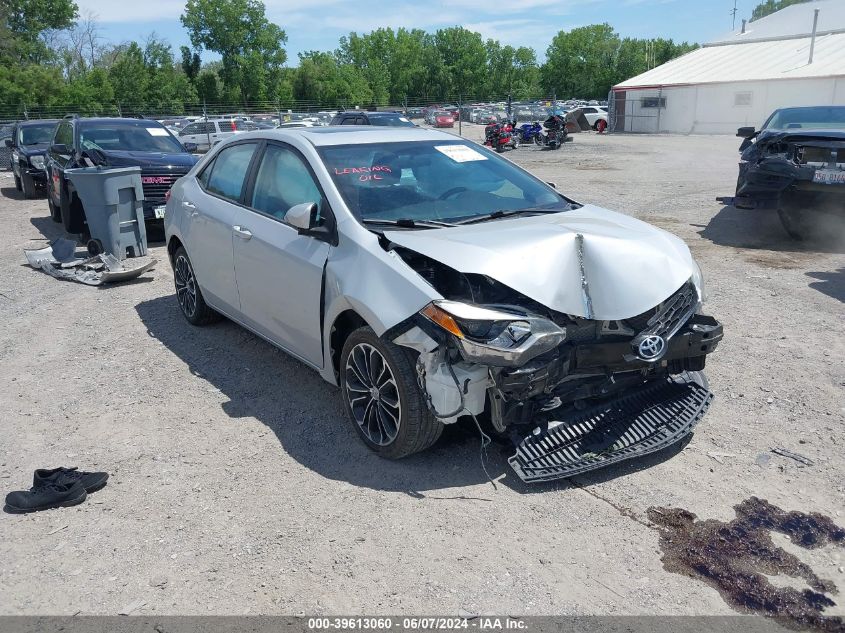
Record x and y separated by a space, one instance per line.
460 153
403 119
157 131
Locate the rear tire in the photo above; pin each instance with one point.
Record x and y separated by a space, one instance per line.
793 223
55 212
382 398
188 293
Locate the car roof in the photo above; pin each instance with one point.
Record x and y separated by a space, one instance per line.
36 122
114 119
353 135
364 112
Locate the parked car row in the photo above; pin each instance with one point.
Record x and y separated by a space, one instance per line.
486 113
43 150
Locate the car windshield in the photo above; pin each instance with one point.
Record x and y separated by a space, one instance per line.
391 120
36 134
816 117
129 136
432 181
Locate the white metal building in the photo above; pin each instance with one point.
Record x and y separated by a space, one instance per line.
739 79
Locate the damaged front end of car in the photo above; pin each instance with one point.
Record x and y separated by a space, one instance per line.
573 391
794 173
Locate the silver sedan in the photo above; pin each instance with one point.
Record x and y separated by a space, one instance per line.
434 281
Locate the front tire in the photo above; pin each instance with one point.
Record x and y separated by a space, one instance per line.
383 401
188 293
17 183
27 187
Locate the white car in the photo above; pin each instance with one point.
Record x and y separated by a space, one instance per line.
302 123
594 114
206 134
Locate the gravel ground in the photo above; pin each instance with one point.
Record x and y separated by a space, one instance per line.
237 486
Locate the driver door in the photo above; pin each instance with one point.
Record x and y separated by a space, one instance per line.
279 272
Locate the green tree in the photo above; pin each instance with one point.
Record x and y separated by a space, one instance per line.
247 42
464 62
24 21
208 85
168 88
770 6
579 63
190 62
90 94
129 77
322 79
511 71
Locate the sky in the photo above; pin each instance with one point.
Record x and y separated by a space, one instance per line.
317 24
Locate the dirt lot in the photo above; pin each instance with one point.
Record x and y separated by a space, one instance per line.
237 486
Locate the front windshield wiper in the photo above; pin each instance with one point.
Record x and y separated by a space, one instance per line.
503 213
408 223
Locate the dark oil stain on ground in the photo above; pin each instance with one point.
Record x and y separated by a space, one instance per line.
732 557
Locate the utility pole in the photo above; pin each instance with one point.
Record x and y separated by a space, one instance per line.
205 123
733 17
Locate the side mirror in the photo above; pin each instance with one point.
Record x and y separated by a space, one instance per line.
745 132
302 217
190 147
8 142
60 148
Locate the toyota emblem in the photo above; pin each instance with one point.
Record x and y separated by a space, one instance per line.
651 347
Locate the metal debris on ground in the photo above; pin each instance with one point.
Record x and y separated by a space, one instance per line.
798 458
59 260
132 606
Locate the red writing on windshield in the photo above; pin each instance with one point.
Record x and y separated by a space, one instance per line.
364 173
362 170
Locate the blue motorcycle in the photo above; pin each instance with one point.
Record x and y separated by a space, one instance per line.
531 133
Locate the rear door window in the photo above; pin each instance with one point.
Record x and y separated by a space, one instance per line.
228 172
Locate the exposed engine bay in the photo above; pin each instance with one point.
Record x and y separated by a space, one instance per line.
488 350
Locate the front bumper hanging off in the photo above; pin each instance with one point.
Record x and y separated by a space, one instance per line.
643 421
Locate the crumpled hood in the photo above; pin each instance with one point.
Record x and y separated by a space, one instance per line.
628 266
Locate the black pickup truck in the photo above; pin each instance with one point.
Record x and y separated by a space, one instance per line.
114 142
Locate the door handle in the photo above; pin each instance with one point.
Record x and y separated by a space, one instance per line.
241 232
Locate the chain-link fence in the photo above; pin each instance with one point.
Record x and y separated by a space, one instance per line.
522 109
635 110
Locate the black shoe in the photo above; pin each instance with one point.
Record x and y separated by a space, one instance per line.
44 497
92 482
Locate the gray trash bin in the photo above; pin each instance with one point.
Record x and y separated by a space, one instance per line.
112 199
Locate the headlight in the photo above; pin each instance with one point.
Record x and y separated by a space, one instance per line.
494 337
698 281
37 162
